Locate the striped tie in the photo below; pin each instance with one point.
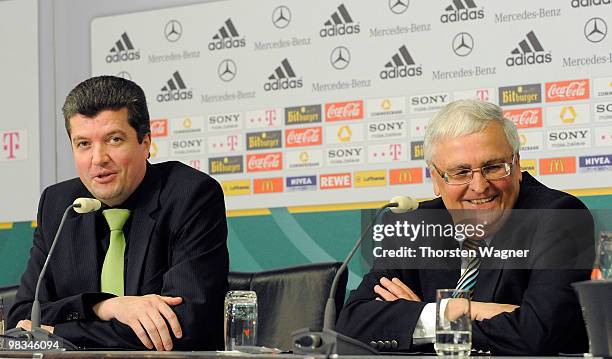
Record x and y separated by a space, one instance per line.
469 277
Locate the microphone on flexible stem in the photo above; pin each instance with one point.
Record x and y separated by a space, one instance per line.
36 334
328 341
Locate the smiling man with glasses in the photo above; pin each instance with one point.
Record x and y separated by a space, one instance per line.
472 153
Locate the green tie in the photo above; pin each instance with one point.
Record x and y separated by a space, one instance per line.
112 269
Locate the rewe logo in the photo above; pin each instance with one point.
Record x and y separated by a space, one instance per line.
401 65
226 38
341 23
529 52
123 50
462 10
175 90
283 78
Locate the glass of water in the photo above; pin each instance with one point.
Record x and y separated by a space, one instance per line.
240 319
603 255
453 322
1 316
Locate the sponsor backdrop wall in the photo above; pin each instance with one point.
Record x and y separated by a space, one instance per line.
302 103
302 109
19 154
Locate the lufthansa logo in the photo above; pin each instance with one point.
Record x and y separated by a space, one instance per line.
173 30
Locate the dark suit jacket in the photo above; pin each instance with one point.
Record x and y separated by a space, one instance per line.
548 321
176 247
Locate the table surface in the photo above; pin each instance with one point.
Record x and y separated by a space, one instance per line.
203 354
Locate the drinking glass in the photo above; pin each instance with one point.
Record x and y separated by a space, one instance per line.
240 319
453 323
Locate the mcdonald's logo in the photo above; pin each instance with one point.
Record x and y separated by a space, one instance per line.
405 176
267 185
559 165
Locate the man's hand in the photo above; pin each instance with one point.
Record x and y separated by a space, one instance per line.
145 315
27 325
486 310
394 289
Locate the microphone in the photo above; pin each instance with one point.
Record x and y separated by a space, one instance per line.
328 341
37 334
86 205
404 204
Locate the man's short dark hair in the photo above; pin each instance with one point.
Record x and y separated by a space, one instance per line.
101 93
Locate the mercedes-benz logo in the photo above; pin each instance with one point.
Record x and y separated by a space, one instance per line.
595 29
227 70
173 30
340 58
281 17
124 74
398 6
463 44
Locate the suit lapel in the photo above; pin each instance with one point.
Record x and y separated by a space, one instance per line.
141 229
139 237
80 229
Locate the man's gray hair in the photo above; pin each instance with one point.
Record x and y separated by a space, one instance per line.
465 117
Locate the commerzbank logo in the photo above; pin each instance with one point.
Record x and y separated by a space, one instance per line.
529 52
462 10
340 23
123 50
401 65
174 90
227 37
283 78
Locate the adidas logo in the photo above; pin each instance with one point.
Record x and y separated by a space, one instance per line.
461 10
529 52
226 38
341 23
175 90
401 65
588 3
283 78
123 50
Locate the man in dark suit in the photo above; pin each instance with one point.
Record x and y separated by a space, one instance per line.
521 306
155 280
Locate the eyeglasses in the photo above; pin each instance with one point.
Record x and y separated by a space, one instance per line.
465 175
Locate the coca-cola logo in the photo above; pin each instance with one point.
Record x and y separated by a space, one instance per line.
567 90
352 110
525 118
264 162
304 137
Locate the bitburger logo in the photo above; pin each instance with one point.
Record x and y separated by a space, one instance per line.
529 52
227 38
123 50
341 23
283 78
175 90
401 65
462 10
